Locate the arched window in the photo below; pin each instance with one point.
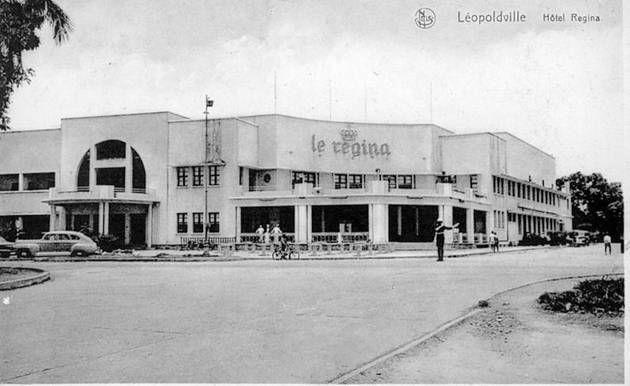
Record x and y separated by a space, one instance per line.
83 175
139 177
110 149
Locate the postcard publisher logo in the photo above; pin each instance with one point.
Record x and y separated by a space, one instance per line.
425 18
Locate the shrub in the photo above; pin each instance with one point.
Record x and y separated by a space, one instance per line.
594 296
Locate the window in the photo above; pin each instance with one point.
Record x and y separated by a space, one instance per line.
474 181
197 218
213 178
182 222
111 176
241 170
182 176
39 181
529 191
197 177
9 182
341 181
112 149
405 182
213 222
304 177
356 181
391 180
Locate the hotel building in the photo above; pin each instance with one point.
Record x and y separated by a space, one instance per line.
143 177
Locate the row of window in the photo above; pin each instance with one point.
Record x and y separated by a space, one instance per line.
31 181
197 222
185 173
400 181
535 224
516 189
499 219
348 181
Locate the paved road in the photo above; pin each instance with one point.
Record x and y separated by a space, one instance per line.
249 321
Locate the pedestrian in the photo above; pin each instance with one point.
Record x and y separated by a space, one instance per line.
260 232
439 237
267 235
494 241
276 232
607 244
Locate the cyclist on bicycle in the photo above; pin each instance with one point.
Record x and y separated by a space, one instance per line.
284 246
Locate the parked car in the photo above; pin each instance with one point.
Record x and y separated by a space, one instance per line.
76 243
6 248
580 238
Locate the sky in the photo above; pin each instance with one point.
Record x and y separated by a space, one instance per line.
557 85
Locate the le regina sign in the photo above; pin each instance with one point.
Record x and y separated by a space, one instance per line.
350 146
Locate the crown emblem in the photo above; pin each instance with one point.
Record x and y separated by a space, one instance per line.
348 135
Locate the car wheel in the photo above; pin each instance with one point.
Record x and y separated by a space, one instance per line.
24 253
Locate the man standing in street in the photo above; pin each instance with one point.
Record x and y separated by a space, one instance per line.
607 245
439 237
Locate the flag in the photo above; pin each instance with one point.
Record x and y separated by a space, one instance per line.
209 102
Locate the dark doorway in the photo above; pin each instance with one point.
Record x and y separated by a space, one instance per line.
459 216
138 229
328 218
480 221
252 217
117 228
412 223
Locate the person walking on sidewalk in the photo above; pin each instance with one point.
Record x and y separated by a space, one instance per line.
439 237
607 245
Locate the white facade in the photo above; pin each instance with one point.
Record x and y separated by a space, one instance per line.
143 177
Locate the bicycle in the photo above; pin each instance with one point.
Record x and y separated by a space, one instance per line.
289 254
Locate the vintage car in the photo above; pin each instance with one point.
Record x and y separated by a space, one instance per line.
76 243
6 248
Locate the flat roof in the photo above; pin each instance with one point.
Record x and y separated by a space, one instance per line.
127 114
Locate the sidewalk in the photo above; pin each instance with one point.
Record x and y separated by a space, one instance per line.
167 255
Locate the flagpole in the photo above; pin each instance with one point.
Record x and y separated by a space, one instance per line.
206 174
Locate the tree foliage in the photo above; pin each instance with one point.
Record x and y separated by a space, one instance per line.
596 203
20 23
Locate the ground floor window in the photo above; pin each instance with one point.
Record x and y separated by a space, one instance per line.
213 222
197 218
182 222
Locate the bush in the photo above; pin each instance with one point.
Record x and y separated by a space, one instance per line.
594 296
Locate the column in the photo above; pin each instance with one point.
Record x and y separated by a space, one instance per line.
399 220
301 224
370 221
447 217
127 228
489 222
470 225
379 224
92 168
100 218
106 217
309 223
61 222
21 181
237 223
128 169
149 232
53 218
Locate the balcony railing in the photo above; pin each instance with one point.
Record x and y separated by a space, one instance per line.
336 237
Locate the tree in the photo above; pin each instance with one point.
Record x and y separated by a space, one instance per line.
596 203
20 22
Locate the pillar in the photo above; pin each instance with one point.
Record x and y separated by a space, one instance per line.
53 218
21 181
127 228
237 223
378 225
100 217
399 220
370 221
489 222
128 169
447 217
470 225
309 223
106 217
301 223
149 232
61 222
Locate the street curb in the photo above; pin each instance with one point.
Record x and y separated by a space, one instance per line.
449 324
41 277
